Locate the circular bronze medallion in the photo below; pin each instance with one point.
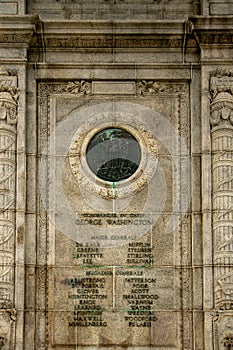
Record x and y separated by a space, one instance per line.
113 154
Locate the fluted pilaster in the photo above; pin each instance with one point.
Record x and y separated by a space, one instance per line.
8 120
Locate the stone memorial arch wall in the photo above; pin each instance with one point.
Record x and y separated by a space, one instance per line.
116 175
126 246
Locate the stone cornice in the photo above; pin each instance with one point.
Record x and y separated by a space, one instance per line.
112 41
212 31
212 23
16 30
103 34
65 34
207 31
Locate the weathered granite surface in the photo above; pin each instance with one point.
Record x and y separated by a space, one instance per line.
140 263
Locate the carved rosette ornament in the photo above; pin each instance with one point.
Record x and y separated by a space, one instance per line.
228 341
8 120
221 119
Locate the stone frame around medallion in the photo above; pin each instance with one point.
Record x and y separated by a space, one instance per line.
88 180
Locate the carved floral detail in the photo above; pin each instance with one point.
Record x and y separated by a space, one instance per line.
151 87
79 87
82 87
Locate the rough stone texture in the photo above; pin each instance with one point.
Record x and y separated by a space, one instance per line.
144 263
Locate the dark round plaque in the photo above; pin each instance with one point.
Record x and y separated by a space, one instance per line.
113 154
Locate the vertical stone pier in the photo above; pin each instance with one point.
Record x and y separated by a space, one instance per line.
8 121
221 120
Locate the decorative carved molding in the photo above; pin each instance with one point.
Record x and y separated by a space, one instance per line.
17 29
216 39
82 87
151 87
221 81
15 38
221 88
8 118
110 41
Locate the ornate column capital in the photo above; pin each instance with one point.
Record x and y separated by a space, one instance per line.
9 94
221 112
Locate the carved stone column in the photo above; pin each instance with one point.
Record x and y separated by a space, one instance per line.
8 120
221 120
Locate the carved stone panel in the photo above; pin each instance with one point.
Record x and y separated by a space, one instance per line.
117 249
8 121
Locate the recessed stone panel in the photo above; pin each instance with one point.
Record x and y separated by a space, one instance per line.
9 8
221 8
118 255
